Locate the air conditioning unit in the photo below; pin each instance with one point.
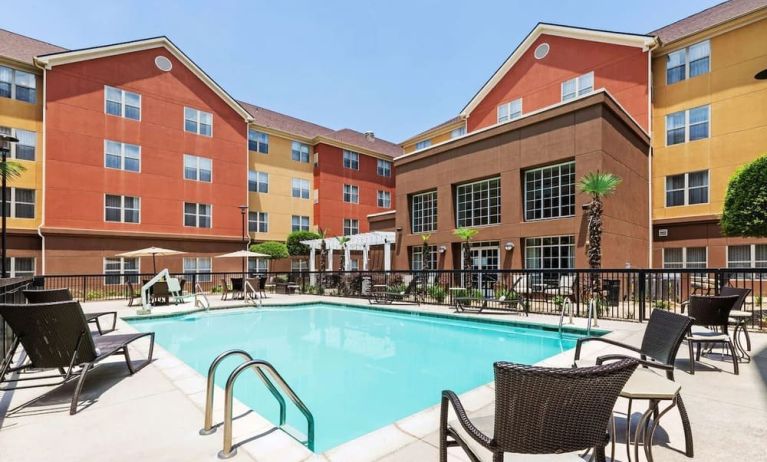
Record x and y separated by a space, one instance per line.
663 232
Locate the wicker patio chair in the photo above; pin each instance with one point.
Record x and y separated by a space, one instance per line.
63 295
56 336
538 411
662 338
739 317
224 289
133 294
262 286
711 312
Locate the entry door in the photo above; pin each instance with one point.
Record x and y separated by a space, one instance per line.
484 260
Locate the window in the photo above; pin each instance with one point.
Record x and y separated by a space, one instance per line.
299 223
122 209
25 148
351 226
747 256
351 160
556 252
20 267
688 62
578 86
200 266
198 122
684 257
354 264
550 192
351 194
198 168
422 144
122 156
121 270
479 203
460 131
383 168
258 141
300 188
258 222
300 152
423 212
19 85
20 203
258 182
687 189
689 125
258 265
122 103
197 215
299 265
384 199
416 258
510 111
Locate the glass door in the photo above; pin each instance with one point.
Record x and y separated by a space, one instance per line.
484 261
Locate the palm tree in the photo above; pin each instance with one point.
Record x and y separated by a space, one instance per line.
466 234
425 260
599 185
323 252
342 241
11 169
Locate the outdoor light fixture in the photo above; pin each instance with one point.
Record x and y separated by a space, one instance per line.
761 75
509 246
5 148
442 249
585 206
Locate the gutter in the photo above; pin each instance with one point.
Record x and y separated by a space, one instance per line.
42 189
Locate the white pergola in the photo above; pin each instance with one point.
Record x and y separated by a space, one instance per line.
361 242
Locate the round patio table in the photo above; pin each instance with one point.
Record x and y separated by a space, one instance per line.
740 319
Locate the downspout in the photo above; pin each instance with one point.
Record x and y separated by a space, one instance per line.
42 189
650 49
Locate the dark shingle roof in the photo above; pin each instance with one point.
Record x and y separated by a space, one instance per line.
285 123
22 48
707 18
355 138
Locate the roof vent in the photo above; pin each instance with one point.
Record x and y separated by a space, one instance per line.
163 63
541 51
370 136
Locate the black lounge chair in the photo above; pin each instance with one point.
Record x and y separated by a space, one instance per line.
711 312
388 296
662 338
56 336
538 411
502 303
63 295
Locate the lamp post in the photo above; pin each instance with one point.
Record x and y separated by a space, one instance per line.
243 212
5 147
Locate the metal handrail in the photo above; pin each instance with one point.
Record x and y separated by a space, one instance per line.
569 305
246 293
228 451
200 297
208 427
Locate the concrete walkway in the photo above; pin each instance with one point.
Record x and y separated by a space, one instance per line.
156 414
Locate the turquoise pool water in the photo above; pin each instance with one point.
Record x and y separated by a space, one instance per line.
356 369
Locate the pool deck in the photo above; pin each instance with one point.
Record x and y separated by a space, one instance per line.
156 414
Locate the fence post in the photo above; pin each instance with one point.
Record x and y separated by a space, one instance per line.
641 287
85 282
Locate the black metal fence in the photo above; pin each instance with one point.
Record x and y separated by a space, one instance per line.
624 294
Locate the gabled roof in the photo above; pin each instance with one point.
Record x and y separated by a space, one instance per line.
707 18
22 48
284 123
434 129
50 60
594 35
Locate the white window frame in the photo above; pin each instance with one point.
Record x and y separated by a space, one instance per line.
123 209
352 225
300 185
685 262
529 243
259 175
120 273
259 142
13 84
352 159
416 258
383 199
686 51
197 215
516 114
353 193
302 149
383 168
456 132
198 116
261 218
423 144
426 223
122 156
541 200
686 189
122 103
13 147
472 184
752 262
687 124
13 272
579 91
12 202
299 265
301 219
201 276
197 168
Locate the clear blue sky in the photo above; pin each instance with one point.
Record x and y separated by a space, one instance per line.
394 67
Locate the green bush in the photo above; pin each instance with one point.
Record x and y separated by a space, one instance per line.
274 249
293 243
468 293
437 293
745 204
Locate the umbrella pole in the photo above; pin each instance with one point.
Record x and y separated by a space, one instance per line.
154 264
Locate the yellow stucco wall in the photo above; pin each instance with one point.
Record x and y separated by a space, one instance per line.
279 202
737 120
438 137
26 116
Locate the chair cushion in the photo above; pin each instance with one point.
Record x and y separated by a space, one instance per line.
707 335
648 384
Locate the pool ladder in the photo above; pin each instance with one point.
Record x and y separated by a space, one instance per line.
568 305
200 299
258 366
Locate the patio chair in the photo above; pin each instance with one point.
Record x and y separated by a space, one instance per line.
56 336
739 317
133 294
63 295
711 312
660 344
565 288
236 287
224 289
270 284
262 286
388 296
538 411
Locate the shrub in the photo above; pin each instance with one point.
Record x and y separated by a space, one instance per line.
274 249
745 204
437 293
293 243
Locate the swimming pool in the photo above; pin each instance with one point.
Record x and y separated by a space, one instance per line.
356 369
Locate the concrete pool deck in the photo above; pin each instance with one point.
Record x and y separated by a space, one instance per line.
156 414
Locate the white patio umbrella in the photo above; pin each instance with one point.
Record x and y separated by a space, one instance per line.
242 254
150 252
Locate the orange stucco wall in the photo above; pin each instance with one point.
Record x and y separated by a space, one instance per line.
330 177
622 70
77 126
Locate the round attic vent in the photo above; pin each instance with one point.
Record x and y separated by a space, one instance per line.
163 63
541 51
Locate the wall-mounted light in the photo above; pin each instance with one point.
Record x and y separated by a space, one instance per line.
585 206
442 249
509 246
